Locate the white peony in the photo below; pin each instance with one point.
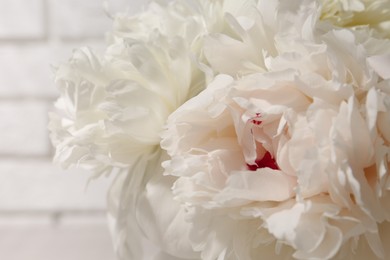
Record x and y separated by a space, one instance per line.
284 153
113 107
291 158
110 114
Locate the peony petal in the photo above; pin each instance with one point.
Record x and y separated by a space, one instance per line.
217 47
283 223
329 246
381 65
262 185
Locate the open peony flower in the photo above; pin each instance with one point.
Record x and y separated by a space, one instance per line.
113 106
293 154
310 172
112 109
111 112
240 129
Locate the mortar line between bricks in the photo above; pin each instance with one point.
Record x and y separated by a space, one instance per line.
27 98
27 157
58 213
56 217
23 41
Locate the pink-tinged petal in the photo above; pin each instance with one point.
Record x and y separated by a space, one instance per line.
384 124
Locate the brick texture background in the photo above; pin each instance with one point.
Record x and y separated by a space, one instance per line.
46 212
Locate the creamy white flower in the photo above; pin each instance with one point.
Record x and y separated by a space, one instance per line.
294 152
286 153
111 112
109 116
112 108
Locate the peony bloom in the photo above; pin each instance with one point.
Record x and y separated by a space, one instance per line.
112 109
113 106
286 153
281 151
110 114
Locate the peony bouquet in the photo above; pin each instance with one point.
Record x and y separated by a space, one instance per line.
237 129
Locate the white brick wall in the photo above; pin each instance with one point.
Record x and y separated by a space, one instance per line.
37 185
23 131
21 19
46 212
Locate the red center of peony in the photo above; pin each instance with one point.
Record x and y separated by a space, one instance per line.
255 120
266 161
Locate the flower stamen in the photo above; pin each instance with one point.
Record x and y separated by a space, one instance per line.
266 162
255 120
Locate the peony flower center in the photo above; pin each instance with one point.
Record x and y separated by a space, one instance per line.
256 119
266 161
